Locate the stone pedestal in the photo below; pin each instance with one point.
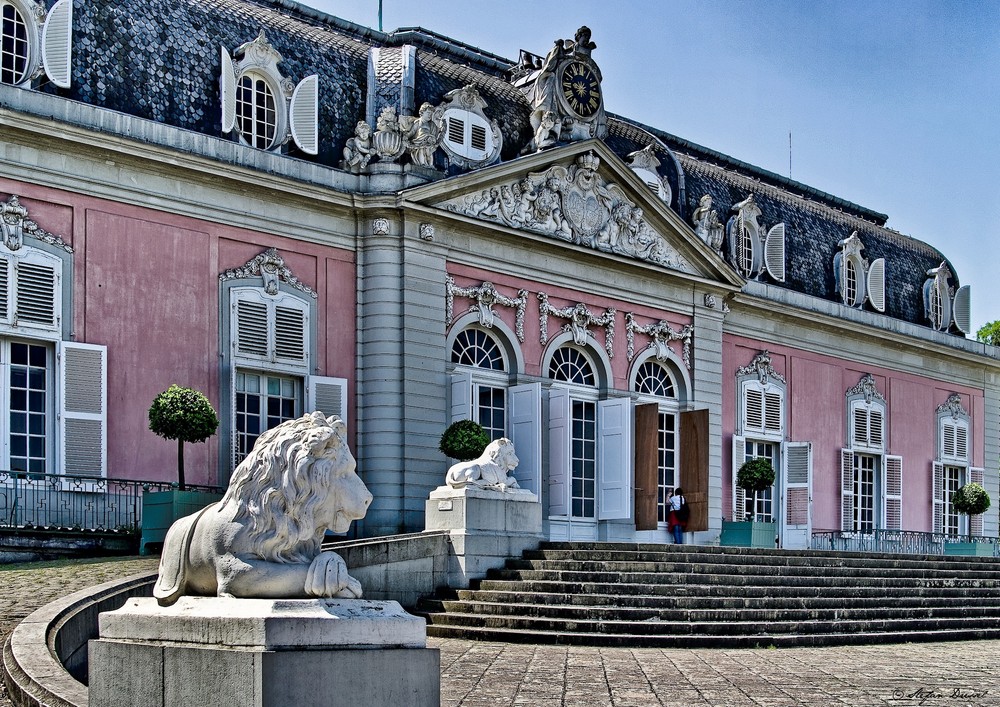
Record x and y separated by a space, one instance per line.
263 653
486 527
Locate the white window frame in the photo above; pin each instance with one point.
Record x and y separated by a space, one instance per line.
769 400
15 263
49 40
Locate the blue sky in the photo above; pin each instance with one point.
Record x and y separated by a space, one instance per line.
892 105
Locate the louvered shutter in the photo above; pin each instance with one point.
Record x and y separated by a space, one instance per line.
846 490
303 114
57 44
753 411
525 424
976 522
291 328
893 493
477 138
614 458
962 442
251 326
859 418
560 427
227 91
876 284
5 288
461 396
456 132
937 494
772 412
798 485
36 294
774 252
962 309
83 397
948 440
739 494
328 395
876 428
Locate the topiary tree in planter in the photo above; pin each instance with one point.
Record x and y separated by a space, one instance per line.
464 440
754 476
971 500
183 414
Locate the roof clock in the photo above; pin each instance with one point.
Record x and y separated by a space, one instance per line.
565 92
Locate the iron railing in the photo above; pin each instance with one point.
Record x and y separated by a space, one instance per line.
75 502
904 542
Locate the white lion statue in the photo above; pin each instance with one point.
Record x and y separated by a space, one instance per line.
492 470
263 538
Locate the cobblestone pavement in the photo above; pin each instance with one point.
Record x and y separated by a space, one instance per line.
475 674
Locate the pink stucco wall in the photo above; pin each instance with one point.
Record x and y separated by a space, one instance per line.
146 285
816 387
560 297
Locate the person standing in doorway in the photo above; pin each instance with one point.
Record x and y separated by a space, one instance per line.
678 516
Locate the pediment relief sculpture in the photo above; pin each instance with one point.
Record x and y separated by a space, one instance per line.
953 406
15 225
580 319
577 205
866 387
660 334
760 367
485 296
271 268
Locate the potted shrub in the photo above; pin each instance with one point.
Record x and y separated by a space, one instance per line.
970 500
754 476
185 415
464 440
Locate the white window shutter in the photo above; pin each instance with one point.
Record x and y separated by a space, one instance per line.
83 395
5 290
303 114
846 490
948 431
291 333
976 522
560 428
876 428
456 131
772 412
753 410
859 425
525 425
36 297
893 493
937 494
461 396
328 395
798 484
739 494
614 459
876 284
962 442
250 321
774 252
962 309
227 92
57 44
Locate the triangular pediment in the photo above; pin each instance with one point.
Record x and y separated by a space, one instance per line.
581 194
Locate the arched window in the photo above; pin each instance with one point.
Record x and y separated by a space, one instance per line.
474 347
658 407
256 111
14 53
570 365
485 386
653 378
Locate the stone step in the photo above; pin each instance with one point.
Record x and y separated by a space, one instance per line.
707 628
845 601
705 641
784 570
569 612
717 578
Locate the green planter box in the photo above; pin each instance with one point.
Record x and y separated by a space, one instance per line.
161 508
969 549
745 533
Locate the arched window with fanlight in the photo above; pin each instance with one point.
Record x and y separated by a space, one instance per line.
656 441
479 385
35 43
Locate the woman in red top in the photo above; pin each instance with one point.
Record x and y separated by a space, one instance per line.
674 524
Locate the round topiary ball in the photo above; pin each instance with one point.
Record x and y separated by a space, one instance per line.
464 440
183 414
971 499
755 475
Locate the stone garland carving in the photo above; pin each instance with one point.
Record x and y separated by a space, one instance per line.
761 367
579 319
866 386
707 225
574 204
486 295
662 334
15 225
270 266
954 406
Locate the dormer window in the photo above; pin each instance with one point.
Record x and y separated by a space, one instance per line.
471 140
32 39
941 307
645 165
857 279
750 251
261 105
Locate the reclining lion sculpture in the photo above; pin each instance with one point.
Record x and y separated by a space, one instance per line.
263 538
492 470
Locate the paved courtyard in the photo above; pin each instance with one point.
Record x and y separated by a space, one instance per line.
477 674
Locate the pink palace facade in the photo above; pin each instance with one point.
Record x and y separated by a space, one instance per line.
633 310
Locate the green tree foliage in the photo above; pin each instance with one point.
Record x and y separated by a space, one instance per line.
183 414
971 499
989 333
755 475
464 440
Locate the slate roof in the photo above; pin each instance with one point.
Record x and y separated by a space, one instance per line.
159 59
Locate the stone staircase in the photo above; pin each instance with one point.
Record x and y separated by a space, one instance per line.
627 594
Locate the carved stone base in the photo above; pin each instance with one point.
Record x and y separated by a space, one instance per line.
486 527
262 653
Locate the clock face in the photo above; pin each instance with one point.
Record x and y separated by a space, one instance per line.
581 88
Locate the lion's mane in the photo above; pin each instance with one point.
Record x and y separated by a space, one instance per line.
498 452
278 502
